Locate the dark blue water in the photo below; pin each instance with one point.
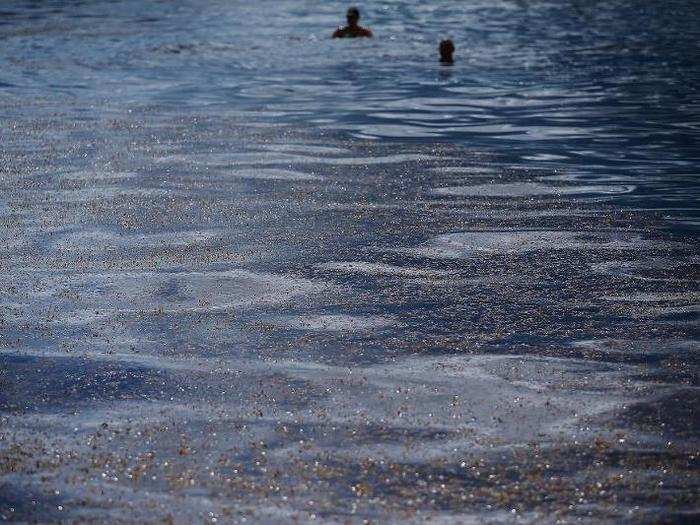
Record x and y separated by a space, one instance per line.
250 272
604 91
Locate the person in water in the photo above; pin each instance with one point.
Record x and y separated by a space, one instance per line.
447 49
353 29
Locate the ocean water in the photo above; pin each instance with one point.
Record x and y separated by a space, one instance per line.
250 273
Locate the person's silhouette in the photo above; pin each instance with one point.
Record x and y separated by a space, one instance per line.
447 49
353 29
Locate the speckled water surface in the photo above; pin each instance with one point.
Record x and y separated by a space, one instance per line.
251 274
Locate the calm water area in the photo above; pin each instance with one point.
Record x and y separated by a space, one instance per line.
249 273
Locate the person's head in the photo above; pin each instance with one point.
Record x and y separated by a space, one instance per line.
447 49
353 16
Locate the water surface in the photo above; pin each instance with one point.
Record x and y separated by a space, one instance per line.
250 272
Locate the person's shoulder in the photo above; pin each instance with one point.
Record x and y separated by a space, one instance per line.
366 32
339 33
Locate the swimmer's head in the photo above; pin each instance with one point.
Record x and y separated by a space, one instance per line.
447 49
353 16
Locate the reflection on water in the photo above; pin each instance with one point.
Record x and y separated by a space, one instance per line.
584 86
249 272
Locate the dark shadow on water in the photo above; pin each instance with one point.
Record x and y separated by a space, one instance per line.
54 384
